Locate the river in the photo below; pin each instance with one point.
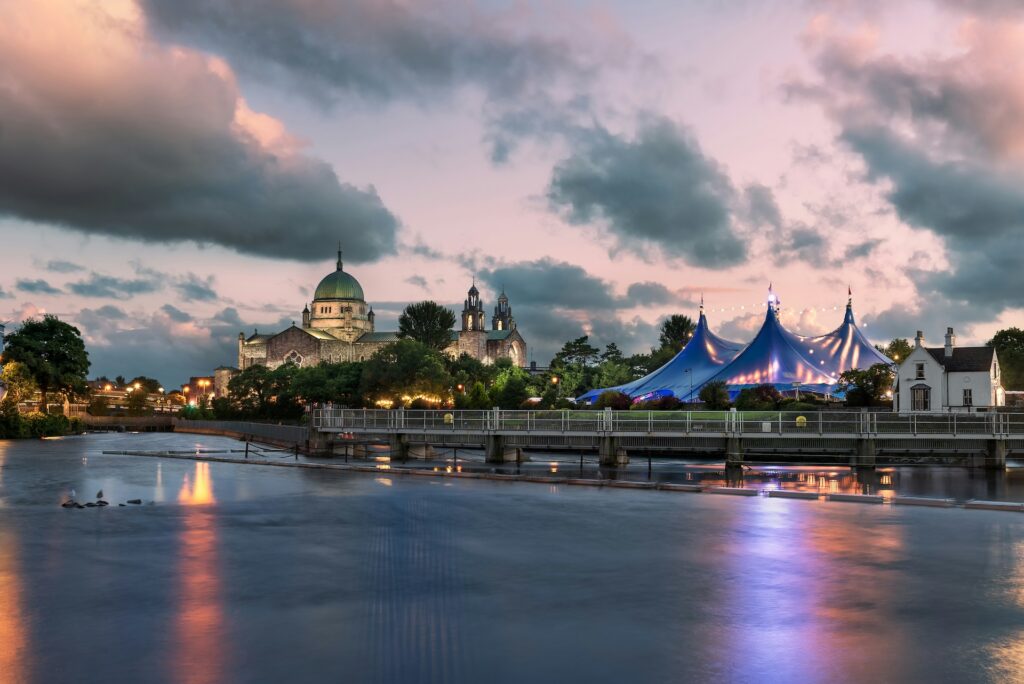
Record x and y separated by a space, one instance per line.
252 573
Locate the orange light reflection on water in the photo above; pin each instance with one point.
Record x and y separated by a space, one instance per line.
199 653
13 630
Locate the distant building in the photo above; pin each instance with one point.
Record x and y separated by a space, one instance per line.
198 388
948 378
339 326
221 377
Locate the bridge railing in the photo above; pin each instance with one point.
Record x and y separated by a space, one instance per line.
689 422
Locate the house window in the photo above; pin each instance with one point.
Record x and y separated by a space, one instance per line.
921 398
968 397
919 371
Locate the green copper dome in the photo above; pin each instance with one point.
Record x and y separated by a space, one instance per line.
339 285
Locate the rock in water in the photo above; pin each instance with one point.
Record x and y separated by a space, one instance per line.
101 502
99 494
90 504
135 501
68 504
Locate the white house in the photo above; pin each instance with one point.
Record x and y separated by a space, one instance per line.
948 378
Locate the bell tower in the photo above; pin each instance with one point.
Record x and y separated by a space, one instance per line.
503 319
473 311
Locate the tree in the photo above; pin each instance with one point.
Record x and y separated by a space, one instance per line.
715 395
612 374
330 382
676 331
763 397
53 353
897 350
466 370
1009 346
137 405
578 352
428 323
405 368
148 385
867 387
478 398
510 388
612 353
616 401
19 383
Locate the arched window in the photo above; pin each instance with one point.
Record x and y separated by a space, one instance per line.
294 357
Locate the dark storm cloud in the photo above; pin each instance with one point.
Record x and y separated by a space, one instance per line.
417 280
176 314
37 286
119 155
656 190
59 266
4 294
98 285
861 250
762 209
380 49
546 282
944 139
192 288
650 293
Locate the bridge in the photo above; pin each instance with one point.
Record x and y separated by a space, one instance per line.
857 438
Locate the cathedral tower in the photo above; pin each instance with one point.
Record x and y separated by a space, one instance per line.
473 311
502 319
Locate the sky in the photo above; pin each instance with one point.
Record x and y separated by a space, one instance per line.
174 172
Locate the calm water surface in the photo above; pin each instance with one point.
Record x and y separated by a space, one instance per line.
259 574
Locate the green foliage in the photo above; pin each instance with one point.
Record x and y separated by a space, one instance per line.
866 387
137 404
715 395
658 404
617 401
337 383
53 353
35 425
19 383
406 367
897 350
511 388
428 323
465 371
1009 346
612 353
612 373
99 406
576 353
149 385
676 331
478 398
760 398
263 393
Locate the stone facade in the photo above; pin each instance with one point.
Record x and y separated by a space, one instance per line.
339 326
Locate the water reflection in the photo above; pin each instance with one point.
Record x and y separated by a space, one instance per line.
200 645
13 630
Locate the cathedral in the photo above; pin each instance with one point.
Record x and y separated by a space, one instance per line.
338 326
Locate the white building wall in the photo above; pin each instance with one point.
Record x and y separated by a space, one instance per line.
933 378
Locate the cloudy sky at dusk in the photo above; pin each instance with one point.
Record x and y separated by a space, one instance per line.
173 172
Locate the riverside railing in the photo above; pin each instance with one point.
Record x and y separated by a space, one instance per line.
685 422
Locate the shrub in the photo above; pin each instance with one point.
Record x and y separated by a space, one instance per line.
760 398
421 404
715 396
616 401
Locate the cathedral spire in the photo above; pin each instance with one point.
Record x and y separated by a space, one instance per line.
339 256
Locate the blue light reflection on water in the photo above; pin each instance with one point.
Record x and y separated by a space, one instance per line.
265 574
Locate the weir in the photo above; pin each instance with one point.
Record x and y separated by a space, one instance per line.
857 438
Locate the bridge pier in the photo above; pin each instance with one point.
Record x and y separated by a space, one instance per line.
611 454
495 451
733 451
424 451
995 455
399 446
866 452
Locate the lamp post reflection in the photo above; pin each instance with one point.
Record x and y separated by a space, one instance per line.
200 644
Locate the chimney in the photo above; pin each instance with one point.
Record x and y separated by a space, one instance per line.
919 340
950 342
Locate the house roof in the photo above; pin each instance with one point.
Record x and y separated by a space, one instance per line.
964 359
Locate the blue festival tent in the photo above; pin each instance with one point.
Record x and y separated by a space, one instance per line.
703 356
779 357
